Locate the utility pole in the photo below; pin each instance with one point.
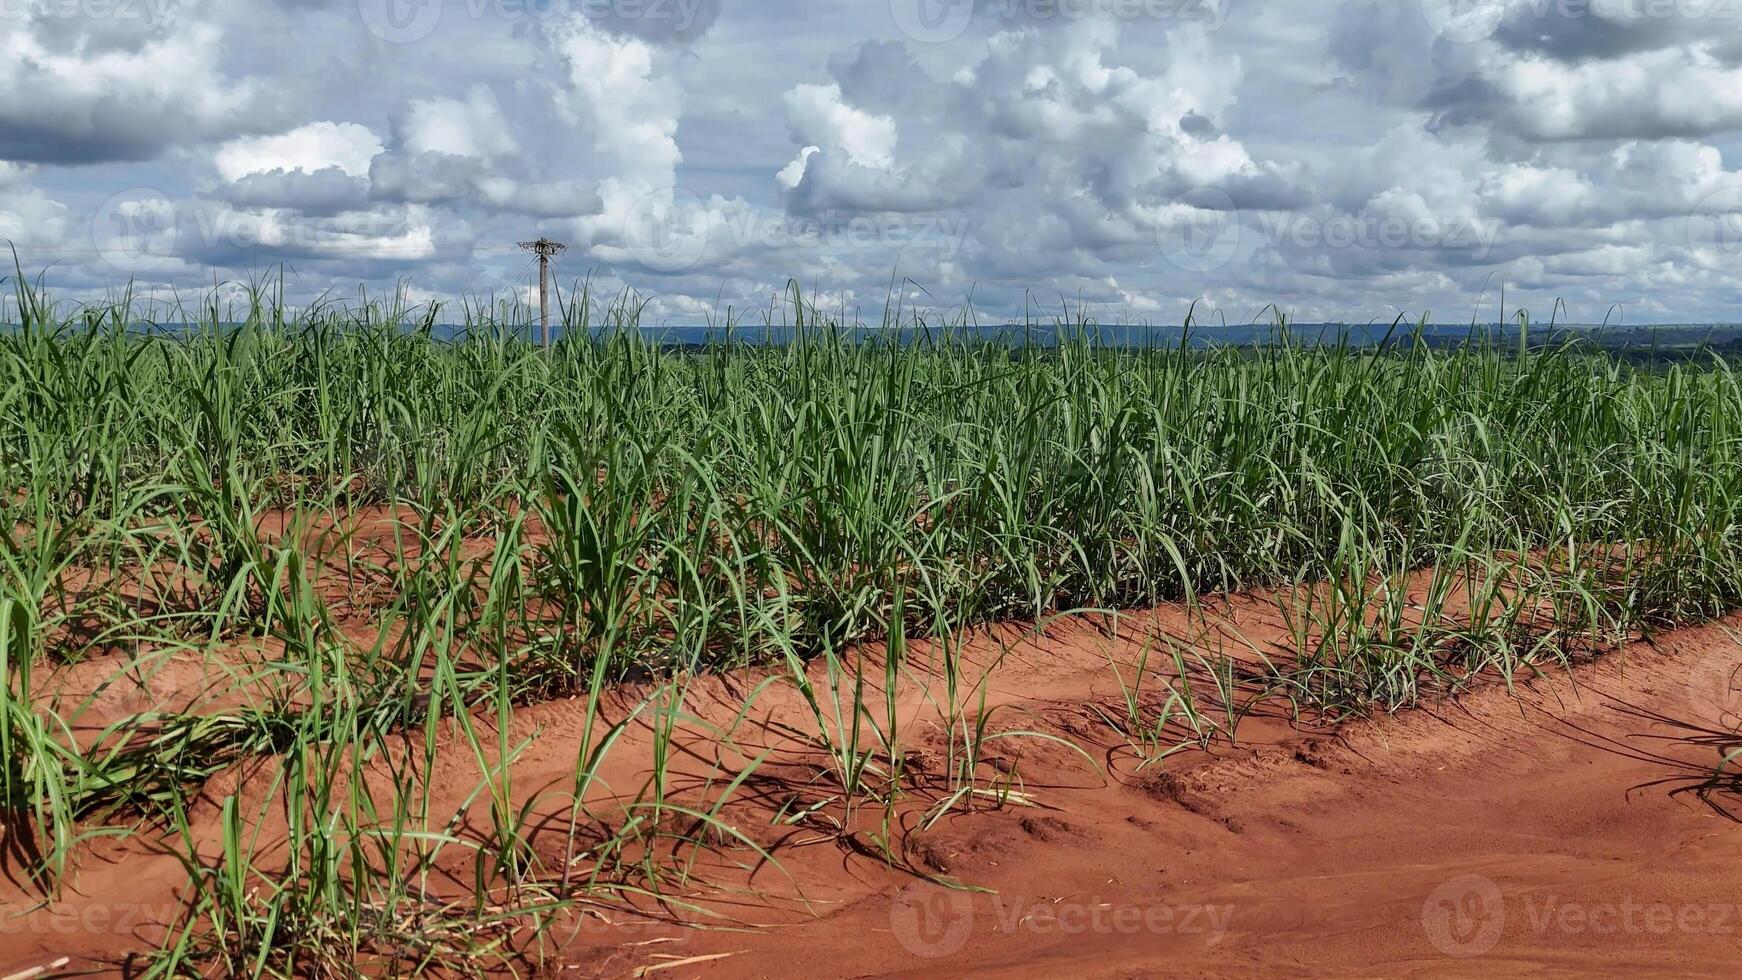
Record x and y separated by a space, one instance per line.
544 248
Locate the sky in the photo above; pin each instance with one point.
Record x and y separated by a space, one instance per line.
1346 160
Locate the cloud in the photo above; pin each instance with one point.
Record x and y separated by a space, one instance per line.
817 114
1670 92
468 127
1555 71
215 233
325 191
28 216
615 95
1063 154
1597 31
1337 157
89 90
346 147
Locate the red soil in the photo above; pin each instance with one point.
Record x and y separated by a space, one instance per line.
1572 829
1571 826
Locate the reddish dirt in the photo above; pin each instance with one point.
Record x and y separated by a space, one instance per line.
1572 829
1569 826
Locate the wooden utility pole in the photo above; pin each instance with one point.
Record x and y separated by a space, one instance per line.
544 248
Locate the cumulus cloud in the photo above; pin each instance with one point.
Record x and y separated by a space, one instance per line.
226 236
346 147
91 89
1590 32
616 96
328 190
1554 71
27 215
1682 91
1135 156
1063 148
817 114
468 127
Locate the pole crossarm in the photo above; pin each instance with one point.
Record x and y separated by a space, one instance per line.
544 248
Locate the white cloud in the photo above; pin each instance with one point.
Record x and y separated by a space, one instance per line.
309 148
791 175
469 127
1061 149
27 215
1672 92
1575 152
83 90
818 115
627 109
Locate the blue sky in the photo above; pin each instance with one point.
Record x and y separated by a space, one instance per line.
1343 159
